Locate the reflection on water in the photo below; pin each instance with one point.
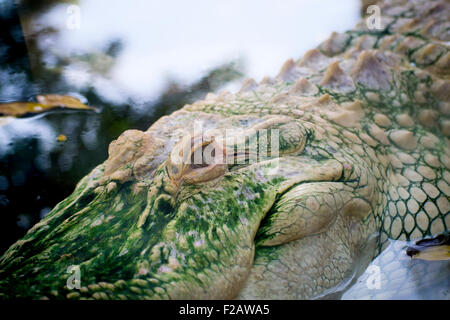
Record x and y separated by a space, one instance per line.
181 39
394 275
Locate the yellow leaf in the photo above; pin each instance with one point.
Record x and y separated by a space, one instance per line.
44 103
61 138
431 249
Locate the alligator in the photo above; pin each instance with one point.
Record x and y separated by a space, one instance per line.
299 178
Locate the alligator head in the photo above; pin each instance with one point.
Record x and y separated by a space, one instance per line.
230 211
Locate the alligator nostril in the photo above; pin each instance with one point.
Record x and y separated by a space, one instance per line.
163 205
174 169
85 199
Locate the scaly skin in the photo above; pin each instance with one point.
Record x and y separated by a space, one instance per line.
364 126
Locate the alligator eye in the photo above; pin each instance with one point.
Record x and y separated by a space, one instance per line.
208 163
200 157
196 160
275 136
206 157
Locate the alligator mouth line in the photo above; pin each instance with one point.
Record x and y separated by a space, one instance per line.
259 237
329 173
